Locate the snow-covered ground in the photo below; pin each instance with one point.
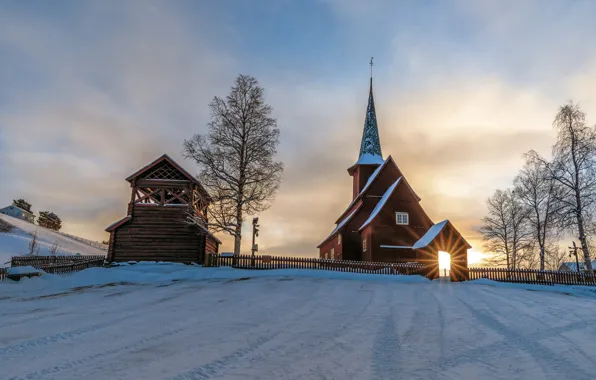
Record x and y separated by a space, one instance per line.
16 242
185 322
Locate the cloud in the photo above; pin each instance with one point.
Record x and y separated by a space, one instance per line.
462 90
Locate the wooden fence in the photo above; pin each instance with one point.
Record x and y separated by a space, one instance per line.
533 276
275 262
44 261
55 264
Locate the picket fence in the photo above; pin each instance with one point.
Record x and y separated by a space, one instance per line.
276 262
55 264
533 276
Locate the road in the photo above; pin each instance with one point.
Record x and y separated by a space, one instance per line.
297 328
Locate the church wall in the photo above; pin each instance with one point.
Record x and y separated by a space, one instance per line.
387 232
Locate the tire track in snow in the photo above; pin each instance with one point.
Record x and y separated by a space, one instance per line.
69 335
43 374
513 340
216 367
550 331
57 338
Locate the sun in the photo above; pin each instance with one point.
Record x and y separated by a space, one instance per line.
475 257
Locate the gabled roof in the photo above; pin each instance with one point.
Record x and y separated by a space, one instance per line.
369 183
381 203
340 225
433 232
169 160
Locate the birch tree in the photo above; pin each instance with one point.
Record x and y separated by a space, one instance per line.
573 169
536 192
237 157
504 229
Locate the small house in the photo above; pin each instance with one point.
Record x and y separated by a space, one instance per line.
18 212
571 266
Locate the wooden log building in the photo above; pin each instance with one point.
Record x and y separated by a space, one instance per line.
385 222
156 227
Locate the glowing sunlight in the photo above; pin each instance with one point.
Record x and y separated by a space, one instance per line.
444 260
474 257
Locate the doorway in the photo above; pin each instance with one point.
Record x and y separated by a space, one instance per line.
444 264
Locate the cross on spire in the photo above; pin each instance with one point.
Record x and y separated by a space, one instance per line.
371 65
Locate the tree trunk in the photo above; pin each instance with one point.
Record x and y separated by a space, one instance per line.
584 241
541 258
238 230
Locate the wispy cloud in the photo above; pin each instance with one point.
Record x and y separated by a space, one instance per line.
92 91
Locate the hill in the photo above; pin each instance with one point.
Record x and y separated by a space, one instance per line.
15 241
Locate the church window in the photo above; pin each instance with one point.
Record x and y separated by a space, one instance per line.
332 255
402 218
338 239
363 245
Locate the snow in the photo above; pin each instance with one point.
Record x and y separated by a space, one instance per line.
430 235
16 242
185 322
22 270
381 203
396 246
341 224
369 159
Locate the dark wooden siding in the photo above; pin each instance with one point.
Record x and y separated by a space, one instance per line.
157 234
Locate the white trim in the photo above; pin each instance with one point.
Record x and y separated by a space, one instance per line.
399 214
380 204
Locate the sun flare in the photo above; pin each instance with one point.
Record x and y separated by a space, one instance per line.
444 260
475 257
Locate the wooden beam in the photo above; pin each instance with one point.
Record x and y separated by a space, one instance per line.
162 183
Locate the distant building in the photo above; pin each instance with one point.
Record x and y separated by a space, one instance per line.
18 212
571 266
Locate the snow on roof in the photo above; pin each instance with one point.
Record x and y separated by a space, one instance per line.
381 203
373 176
22 209
395 246
430 235
370 159
341 224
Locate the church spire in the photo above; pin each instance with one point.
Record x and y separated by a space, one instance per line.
370 148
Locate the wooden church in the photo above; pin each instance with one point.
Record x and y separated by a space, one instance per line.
156 227
385 222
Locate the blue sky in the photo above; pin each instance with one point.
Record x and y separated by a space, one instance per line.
92 90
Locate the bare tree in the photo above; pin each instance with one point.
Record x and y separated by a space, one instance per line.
504 229
33 245
573 169
55 248
237 157
536 192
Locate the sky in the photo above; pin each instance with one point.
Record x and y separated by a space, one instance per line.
90 91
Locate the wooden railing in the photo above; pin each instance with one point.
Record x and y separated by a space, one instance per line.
43 261
275 262
533 276
75 267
